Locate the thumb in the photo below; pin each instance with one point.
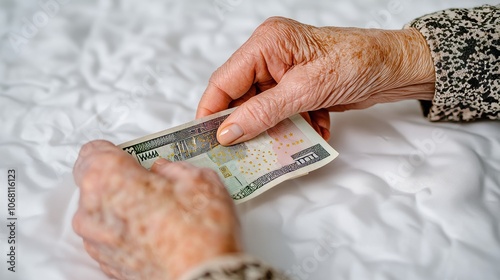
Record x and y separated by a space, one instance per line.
257 115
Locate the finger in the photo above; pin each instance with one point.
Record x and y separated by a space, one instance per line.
229 82
265 85
247 66
88 226
322 119
92 147
92 251
90 193
77 223
213 100
254 90
172 170
185 170
159 164
87 155
101 259
259 113
106 270
307 117
250 93
311 122
203 188
109 271
92 172
325 133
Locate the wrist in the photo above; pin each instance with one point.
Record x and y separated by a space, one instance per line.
410 69
200 249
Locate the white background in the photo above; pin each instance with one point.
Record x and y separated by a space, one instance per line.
78 74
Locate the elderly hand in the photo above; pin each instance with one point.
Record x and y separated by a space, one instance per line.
287 67
150 225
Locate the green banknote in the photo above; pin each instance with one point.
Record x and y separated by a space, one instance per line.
290 149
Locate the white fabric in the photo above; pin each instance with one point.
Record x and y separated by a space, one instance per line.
406 199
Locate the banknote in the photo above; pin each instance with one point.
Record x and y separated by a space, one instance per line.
290 149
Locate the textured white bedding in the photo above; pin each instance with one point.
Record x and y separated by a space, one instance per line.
406 198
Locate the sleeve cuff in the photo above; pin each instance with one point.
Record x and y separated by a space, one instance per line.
465 47
236 267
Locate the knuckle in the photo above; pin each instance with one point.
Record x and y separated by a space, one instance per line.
89 180
105 161
209 174
92 146
180 170
275 23
196 173
76 223
97 159
212 182
184 168
215 78
87 149
199 204
97 168
186 165
276 28
264 111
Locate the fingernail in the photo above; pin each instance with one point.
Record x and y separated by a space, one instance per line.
230 134
161 161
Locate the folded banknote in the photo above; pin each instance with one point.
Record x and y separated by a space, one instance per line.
290 149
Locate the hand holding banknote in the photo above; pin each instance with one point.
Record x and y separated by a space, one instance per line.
157 224
287 67
142 216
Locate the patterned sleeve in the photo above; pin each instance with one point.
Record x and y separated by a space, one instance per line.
465 47
234 267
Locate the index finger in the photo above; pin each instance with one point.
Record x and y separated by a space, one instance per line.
230 81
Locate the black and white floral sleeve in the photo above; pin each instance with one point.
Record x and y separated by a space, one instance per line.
234 267
465 47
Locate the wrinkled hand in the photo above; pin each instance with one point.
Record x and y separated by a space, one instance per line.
150 225
287 67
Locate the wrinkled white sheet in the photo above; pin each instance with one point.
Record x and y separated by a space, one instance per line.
406 199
